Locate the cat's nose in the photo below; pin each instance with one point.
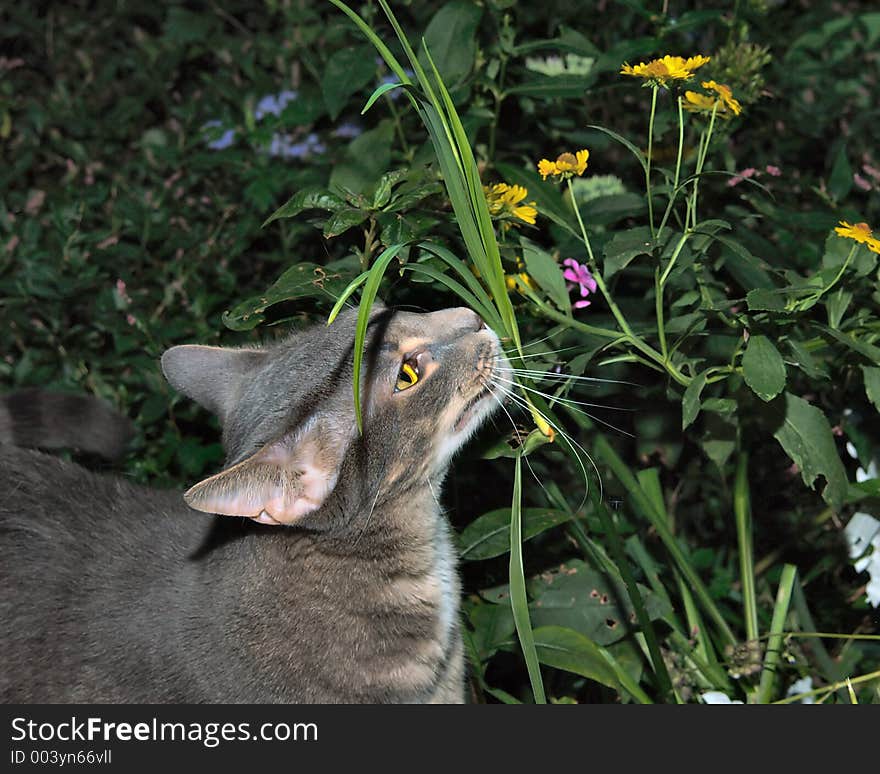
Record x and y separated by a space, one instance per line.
470 319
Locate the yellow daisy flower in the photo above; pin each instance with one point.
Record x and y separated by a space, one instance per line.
659 72
861 233
723 102
505 201
566 165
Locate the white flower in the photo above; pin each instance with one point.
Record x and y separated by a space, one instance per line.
804 685
866 475
863 538
717 697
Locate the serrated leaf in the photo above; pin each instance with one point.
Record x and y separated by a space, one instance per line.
806 436
690 402
489 535
763 368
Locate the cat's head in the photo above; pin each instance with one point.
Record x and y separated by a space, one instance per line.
288 414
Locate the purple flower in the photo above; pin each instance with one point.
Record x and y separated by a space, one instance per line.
274 103
225 140
578 275
347 131
281 146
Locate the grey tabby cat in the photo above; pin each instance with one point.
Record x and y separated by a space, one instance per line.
340 584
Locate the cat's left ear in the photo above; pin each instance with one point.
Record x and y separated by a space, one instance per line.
282 482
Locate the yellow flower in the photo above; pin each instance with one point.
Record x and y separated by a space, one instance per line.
861 233
566 165
510 281
723 102
658 72
505 201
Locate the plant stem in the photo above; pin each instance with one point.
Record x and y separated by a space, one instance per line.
650 153
658 308
701 160
846 263
674 192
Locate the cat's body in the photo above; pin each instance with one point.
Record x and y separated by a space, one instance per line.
118 593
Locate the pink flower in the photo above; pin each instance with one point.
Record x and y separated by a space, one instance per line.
860 182
578 275
774 171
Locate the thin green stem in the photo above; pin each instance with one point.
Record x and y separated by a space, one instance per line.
674 192
827 689
701 160
843 268
658 308
675 253
649 159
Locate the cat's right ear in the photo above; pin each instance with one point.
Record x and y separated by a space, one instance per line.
211 376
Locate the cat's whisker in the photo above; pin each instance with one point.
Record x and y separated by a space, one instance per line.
535 355
517 434
569 440
542 375
561 399
573 406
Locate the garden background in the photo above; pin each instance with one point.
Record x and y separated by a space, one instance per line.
691 445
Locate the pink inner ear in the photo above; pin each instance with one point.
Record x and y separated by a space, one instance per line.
280 484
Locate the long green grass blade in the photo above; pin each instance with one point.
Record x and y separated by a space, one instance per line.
742 510
644 505
345 295
518 600
487 313
371 287
777 627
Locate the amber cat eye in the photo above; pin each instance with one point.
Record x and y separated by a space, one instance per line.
408 374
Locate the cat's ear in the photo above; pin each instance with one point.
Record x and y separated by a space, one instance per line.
281 483
211 376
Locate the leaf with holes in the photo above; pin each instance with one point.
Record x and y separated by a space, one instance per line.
580 598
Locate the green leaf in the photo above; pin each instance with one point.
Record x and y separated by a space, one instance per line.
489 535
872 384
840 181
542 267
763 368
594 603
381 89
567 649
690 402
862 347
518 601
365 160
451 39
493 626
302 280
306 199
624 246
806 436
643 161
345 73
342 220
764 300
